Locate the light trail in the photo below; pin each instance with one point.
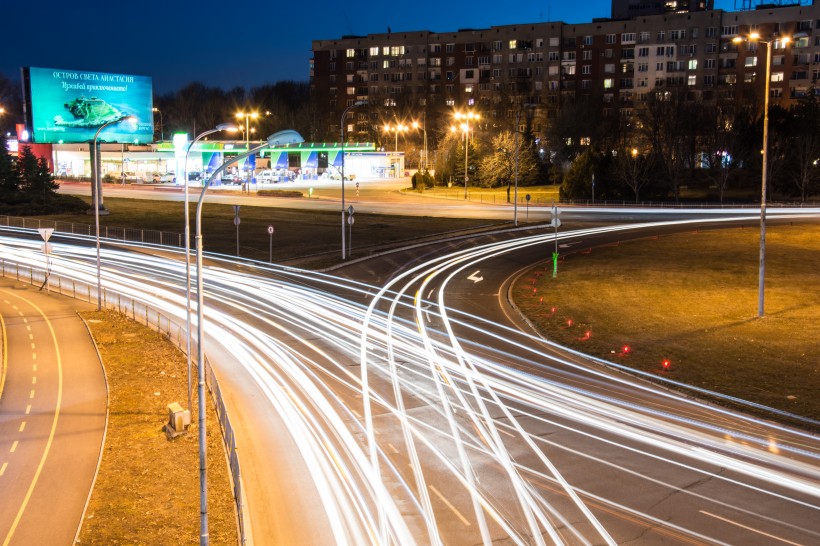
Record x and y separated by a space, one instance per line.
388 395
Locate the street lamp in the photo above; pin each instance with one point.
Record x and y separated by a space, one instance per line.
342 126
97 189
398 128
280 138
465 128
230 127
161 129
247 116
755 37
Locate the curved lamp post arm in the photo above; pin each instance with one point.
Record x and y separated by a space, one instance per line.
282 137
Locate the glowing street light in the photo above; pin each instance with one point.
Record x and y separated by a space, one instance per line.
398 128
770 43
465 129
161 129
247 116
282 137
97 188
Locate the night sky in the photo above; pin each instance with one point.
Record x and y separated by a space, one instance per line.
227 44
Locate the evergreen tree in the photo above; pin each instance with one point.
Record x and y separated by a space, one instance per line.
9 177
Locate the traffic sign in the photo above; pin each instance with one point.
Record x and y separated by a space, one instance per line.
270 230
45 233
350 210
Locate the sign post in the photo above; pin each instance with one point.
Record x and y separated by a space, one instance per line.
45 233
555 223
236 223
350 221
270 232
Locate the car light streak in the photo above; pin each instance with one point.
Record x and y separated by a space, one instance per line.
371 381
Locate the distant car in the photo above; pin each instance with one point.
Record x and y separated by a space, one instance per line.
127 177
168 177
194 176
267 177
231 179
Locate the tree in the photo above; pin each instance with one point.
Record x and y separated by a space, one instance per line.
577 183
36 180
498 165
804 146
632 168
9 176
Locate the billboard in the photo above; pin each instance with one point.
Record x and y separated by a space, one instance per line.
71 105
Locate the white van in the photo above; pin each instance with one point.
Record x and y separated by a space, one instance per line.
266 176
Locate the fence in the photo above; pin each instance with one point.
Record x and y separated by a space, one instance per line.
146 236
156 320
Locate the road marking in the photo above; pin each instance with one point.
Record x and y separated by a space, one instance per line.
31 394
28 327
14 446
28 409
3 468
450 506
33 346
752 529
34 367
34 380
475 278
52 432
31 337
34 356
22 426
393 448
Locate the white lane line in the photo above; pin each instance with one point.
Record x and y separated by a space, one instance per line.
34 380
450 506
3 468
14 446
31 394
752 529
34 367
22 426
28 409
33 346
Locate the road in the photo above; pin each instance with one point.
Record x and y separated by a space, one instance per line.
408 410
52 416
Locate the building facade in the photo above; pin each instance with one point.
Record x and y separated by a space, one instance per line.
613 64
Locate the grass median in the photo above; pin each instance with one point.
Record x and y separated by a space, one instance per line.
691 299
307 238
147 488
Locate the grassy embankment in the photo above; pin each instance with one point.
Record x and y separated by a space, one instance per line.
692 298
147 489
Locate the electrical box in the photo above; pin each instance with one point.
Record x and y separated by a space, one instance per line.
178 420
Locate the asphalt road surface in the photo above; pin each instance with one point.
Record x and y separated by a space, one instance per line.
52 416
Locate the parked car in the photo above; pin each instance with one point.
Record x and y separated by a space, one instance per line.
229 178
194 176
127 177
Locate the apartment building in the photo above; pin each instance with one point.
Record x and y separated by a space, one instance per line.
612 64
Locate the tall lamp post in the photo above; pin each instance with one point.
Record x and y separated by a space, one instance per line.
247 116
465 128
342 125
280 138
755 37
230 127
398 128
97 188
161 128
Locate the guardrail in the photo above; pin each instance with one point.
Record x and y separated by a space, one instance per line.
158 321
146 236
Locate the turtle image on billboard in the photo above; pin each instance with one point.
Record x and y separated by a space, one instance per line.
64 106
